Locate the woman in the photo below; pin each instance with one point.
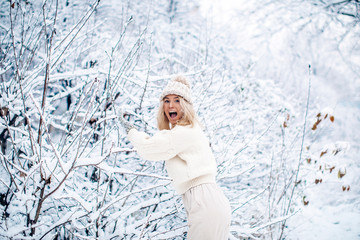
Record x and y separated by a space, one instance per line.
189 161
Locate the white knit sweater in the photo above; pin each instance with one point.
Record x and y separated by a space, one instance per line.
188 157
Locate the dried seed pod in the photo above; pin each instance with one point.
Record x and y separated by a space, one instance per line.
4 111
305 201
341 172
322 153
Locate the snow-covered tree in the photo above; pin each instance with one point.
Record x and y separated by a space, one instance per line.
68 67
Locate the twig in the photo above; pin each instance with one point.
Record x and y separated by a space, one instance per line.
248 200
284 218
72 120
172 230
48 47
129 58
18 79
301 150
145 225
147 76
92 9
8 170
48 134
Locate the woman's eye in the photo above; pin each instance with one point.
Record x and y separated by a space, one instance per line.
177 100
166 101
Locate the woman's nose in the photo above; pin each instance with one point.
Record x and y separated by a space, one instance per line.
171 104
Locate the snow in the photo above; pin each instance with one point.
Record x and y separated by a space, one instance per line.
251 65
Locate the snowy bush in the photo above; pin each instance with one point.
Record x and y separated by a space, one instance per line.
66 69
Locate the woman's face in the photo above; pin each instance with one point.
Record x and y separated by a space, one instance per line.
172 108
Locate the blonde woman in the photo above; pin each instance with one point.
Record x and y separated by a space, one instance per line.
189 161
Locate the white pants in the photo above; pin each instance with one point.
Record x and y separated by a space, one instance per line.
208 212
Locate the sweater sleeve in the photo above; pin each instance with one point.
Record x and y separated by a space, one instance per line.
164 145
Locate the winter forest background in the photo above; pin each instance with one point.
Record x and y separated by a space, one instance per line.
276 85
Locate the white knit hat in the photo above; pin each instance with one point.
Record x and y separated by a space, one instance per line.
180 86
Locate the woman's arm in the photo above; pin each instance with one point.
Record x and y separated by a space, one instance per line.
164 145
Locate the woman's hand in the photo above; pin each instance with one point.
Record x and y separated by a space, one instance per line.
128 126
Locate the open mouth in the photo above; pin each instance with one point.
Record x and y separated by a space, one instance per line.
172 114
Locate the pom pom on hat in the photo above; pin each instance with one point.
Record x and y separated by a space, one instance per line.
180 86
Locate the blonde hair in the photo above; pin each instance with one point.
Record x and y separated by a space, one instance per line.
188 118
